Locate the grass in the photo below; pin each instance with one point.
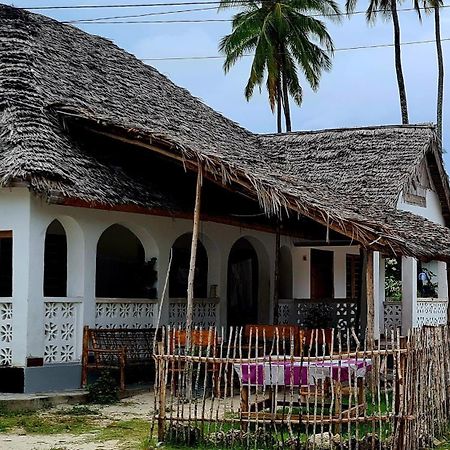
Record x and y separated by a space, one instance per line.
131 434
42 423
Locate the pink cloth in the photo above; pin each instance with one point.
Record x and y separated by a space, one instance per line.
286 373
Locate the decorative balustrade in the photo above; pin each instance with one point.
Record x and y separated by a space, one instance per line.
338 313
6 332
62 329
125 313
205 312
392 315
431 311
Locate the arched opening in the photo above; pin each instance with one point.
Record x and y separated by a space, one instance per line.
55 261
285 274
242 284
179 270
121 268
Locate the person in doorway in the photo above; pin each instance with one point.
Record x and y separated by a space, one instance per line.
424 283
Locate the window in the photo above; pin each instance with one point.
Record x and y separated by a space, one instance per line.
179 270
6 264
285 274
353 289
55 261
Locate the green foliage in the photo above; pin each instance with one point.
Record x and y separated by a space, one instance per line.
285 37
104 391
393 279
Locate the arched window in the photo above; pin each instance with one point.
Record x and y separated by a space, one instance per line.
179 270
121 268
285 274
55 261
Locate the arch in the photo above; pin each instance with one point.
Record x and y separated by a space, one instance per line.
243 284
285 273
55 260
179 270
121 270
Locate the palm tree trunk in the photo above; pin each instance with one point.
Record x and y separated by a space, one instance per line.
287 111
440 86
279 104
398 63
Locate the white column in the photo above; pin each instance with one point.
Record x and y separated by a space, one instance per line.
378 294
89 267
409 293
35 328
340 272
442 280
21 272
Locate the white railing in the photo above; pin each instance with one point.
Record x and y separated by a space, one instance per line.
62 330
431 311
392 315
205 313
6 331
125 313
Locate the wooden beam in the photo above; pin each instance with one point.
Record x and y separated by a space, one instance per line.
322 243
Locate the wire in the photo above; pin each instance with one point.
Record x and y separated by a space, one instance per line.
136 22
178 11
237 3
343 49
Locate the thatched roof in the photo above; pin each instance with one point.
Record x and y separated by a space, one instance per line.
53 74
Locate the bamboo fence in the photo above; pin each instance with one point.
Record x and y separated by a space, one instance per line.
287 388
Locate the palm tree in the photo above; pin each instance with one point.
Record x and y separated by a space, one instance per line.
388 8
435 6
284 37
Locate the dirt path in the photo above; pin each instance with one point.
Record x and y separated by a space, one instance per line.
124 425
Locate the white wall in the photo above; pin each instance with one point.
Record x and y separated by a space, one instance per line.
302 269
432 211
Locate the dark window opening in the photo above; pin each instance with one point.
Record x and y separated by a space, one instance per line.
55 261
322 274
179 270
353 289
6 263
285 274
121 268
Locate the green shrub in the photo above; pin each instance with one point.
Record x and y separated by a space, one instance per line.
104 390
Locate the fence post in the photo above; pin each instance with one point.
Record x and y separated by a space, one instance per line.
162 397
399 428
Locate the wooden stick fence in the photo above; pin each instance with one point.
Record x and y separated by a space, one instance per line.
284 387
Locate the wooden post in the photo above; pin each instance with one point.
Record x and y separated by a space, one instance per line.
448 292
191 276
370 299
276 287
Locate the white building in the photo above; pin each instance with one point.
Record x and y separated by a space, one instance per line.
98 156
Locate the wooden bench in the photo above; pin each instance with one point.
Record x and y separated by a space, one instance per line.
116 348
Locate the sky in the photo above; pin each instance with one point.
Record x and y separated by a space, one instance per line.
359 90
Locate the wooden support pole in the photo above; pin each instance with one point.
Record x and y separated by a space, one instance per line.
276 287
191 276
370 299
448 292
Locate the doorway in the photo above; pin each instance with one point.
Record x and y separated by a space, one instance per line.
322 276
242 302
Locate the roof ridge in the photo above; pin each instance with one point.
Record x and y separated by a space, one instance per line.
355 128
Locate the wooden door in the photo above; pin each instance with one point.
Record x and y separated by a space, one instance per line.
322 274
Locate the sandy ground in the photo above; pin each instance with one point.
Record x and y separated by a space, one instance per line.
139 406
